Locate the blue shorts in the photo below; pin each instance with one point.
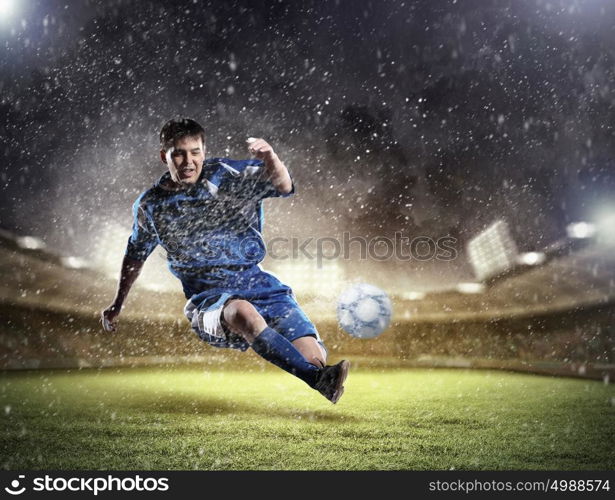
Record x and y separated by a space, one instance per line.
278 308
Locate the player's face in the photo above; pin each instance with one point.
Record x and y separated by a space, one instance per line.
185 160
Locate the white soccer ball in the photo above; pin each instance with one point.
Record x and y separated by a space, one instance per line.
364 311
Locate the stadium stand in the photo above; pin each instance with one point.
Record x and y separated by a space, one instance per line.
557 317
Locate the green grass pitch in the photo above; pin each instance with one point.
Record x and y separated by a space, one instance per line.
217 418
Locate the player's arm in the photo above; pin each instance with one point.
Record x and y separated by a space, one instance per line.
275 170
141 244
130 271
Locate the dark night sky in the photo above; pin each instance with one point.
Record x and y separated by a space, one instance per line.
431 117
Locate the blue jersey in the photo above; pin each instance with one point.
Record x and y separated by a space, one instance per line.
210 231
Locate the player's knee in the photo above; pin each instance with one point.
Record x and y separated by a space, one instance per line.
243 317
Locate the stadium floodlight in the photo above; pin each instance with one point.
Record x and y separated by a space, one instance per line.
6 8
531 258
413 295
30 243
581 230
470 288
605 225
493 251
606 221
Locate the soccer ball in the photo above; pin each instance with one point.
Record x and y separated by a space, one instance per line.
364 311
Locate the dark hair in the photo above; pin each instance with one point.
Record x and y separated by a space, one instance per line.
176 129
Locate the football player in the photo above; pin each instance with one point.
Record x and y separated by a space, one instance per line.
207 215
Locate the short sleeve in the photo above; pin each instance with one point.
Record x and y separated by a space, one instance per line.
143 239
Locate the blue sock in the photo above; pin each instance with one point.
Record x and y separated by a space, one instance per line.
278 350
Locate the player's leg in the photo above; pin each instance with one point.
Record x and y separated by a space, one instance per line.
331 379
242 318
283 313
223 321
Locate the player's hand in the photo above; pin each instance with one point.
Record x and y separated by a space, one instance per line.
109 318
261 149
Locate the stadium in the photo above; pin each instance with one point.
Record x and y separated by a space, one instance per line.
484 129
512 371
